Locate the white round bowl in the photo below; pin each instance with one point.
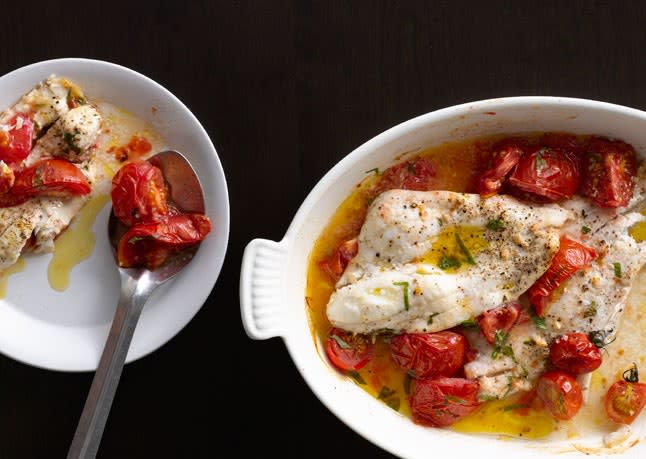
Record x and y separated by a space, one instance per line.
67 330
273 277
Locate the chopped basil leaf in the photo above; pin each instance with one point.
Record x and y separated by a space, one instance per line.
135 239
495 225
342 344
500 345
430 318
440 222
539 322
633 374
69 140
357 377
585 229
447 262
469 323
515 406
375 170
389 397
405 285
407 380
617 267
487 397
540 161
464 249
591 310
454 399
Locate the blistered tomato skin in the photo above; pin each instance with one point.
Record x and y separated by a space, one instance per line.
414 174
335 264
624 401
139 193
609 169
506 155
575 353
51 177
15 143
503 318
442 401
560 393
547 174
348 351
428 355
571 257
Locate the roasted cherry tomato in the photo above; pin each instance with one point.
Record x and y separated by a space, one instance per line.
609 169
547 174
139 193
335 264
51 177
149 244
624 401
500 318
416 174
348 351
564 142
571 257
560 393
427 355
505 155
575 353
15 143
442 401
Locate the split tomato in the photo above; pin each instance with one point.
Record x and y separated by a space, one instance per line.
504 158
348 351
560 393
15 143
414 174
571 257
609 169
500 318
150 244
427 355
546 174
443 401
50 177
625 400
139 193
575 353
335 264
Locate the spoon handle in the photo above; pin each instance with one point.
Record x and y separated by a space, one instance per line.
89 431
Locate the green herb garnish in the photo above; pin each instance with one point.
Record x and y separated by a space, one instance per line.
617 267
585 229
389 397
469 323
69 140
447 262
454 399
464 249
340 341
135 239
591 310
500 345
430 318
375 170
495 225
515 406
540 161
357 377
539 322
487 397
600 338
405 285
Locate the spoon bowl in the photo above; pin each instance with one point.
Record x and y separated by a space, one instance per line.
137 284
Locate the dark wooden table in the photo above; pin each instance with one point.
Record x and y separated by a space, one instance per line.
285 90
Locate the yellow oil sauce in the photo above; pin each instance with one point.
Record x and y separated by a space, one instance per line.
456 246
4 275
75 244
508 417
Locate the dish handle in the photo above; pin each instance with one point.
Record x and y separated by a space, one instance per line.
261 295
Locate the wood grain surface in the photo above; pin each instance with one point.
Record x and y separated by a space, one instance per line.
286 89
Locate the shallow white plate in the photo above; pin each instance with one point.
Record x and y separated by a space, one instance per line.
67 330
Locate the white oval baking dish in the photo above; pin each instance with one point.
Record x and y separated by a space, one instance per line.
273 276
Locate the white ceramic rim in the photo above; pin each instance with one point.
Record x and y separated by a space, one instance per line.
359 416
157 324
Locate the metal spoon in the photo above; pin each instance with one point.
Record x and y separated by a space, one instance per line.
137 284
